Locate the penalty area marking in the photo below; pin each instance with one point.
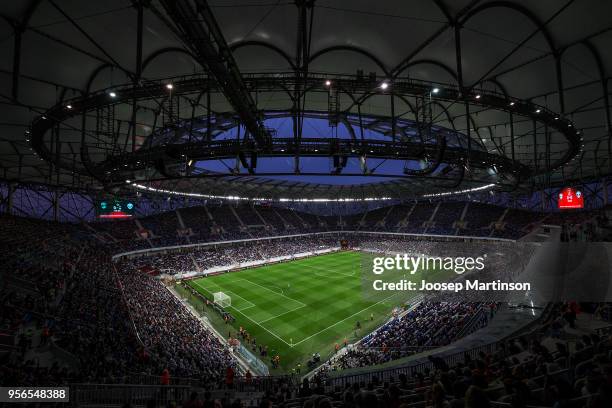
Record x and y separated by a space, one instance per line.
245 315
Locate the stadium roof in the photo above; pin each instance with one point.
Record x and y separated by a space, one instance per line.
549 57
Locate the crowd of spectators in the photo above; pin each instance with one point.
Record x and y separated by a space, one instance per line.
170 331
56 292
60 294
551 365
191 259
169 263
517 223
220 222
92 322
198 220
426 326
83 307
59 290
431 324
546 367
35 265
447 216
396 215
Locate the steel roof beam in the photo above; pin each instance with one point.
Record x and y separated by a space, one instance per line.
197 27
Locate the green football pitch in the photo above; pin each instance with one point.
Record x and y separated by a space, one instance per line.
300 307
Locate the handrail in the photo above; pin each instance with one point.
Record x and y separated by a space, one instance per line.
471 326
240 381
123 299
119 394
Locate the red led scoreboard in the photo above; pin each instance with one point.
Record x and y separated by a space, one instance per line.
570 199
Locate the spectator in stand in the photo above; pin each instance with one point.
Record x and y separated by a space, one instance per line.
165 377
229 377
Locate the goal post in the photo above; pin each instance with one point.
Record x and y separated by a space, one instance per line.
222 299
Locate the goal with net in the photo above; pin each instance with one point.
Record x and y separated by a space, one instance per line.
222 299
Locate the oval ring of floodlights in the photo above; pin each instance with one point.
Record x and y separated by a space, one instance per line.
115 169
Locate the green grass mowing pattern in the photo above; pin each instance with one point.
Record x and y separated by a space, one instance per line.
301 307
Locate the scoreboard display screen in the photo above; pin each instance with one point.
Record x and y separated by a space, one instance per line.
115 209
570 199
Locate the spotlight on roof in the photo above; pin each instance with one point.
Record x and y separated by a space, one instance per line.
477 96
384 85
556 118
511 103
327 82
169 86
112 94
68 106
435 90
128 181
538 110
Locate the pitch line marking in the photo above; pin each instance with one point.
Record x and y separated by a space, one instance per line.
272 333
320 271
230 291
340 321
279 315
236 295
253 305
270 290
297 301
243 308
245 315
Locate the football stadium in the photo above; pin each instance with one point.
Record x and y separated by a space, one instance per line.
306 203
